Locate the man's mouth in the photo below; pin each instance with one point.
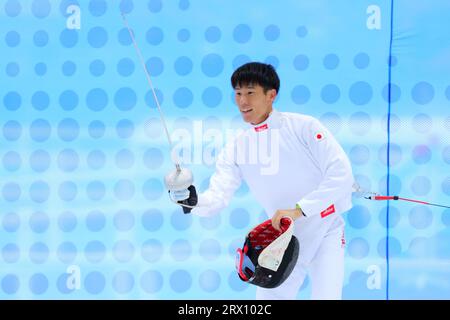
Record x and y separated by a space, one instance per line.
246 110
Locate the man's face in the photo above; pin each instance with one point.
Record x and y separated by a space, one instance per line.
254 104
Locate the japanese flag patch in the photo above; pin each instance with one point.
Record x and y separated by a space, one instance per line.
319 136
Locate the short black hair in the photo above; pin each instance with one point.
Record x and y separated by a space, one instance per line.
256 73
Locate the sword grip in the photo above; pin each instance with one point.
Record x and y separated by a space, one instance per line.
383 198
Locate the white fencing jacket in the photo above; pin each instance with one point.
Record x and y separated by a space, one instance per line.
288 159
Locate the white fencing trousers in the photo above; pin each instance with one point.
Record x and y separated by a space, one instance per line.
326 272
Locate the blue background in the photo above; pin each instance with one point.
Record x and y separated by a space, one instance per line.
83 152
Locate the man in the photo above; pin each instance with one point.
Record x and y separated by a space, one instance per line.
310 180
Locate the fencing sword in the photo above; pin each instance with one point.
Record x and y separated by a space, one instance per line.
377 197
178 180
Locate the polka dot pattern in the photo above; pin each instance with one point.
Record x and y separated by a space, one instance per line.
84 151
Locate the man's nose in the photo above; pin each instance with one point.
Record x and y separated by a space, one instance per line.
242 99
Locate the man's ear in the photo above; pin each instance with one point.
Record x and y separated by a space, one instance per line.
272 95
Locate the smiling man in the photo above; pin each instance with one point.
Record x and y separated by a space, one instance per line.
312 183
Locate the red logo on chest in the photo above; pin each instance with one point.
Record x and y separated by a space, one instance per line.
262 128
328 211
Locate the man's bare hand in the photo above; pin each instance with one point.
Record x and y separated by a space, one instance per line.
293 213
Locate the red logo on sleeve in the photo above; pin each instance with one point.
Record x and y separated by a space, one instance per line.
261 128
328 211
343 239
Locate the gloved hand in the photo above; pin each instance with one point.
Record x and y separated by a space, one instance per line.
191 201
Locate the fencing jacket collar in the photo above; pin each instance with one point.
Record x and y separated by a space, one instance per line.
272 122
